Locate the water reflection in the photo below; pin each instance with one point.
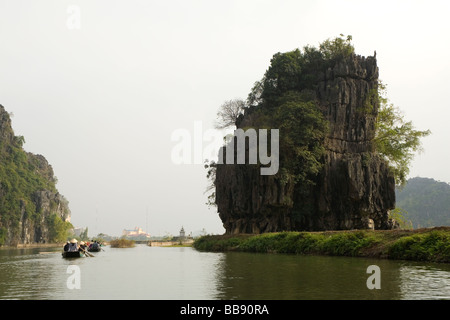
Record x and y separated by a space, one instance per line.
288 277
419 282
291 277
25 273
183 273
134 273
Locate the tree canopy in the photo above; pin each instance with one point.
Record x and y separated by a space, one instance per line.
229 112
396 139
298 69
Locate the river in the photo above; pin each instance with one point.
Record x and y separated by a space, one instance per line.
182 273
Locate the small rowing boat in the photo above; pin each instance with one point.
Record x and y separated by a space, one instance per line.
72 254
72 250
94 247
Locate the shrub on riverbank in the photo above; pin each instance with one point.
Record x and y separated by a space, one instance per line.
346 243
434 246
122 243
424 244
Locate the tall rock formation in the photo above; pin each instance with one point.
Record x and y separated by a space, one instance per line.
355 189
29 200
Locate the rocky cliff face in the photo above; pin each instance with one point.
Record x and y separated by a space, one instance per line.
28 196
355 189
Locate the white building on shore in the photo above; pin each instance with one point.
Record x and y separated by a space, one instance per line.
135 233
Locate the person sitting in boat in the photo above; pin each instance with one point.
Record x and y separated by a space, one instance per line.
66 246
82 246
73 245
94 245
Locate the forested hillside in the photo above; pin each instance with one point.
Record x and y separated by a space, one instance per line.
31 208
427 202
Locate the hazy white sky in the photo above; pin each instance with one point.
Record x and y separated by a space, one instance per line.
101 101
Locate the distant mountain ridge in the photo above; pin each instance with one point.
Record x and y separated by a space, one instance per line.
427 202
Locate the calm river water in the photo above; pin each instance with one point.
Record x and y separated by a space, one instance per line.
173 273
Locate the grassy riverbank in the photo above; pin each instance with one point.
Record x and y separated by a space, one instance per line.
431 244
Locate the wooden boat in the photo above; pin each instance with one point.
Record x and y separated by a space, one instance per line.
72 254
94 247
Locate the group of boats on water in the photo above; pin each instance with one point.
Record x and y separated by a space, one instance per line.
74 250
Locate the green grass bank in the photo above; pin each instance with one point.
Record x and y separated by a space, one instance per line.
430 244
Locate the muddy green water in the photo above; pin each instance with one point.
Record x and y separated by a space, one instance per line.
154 273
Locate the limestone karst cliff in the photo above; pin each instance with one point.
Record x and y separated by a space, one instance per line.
30 205
353 190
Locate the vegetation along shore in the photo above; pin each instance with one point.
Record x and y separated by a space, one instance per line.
427 244
122 243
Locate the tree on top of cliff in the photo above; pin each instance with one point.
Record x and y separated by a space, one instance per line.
336 48
295 70
229 112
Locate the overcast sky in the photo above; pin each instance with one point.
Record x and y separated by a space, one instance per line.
99 87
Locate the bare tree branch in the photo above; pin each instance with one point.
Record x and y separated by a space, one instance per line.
229 112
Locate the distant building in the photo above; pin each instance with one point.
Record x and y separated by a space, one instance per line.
182 233
136 233
177 240
182 236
